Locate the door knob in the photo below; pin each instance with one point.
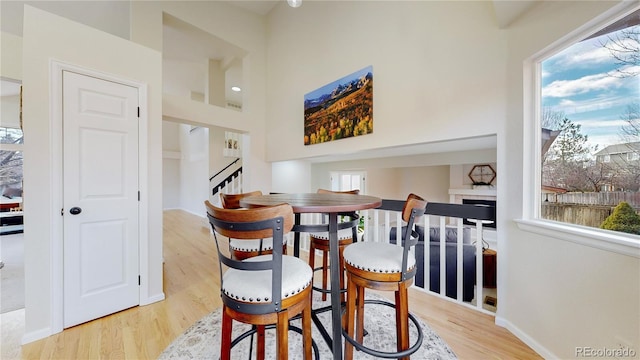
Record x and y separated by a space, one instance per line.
75 210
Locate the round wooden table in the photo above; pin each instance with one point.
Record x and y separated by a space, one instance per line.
331 204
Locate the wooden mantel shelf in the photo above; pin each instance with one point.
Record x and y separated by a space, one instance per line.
477 192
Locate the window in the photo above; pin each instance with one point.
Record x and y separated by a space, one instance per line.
590 125
11 140
348 180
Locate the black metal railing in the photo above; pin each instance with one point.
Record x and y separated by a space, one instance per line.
226 181
225 168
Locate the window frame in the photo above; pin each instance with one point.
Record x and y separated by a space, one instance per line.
626 244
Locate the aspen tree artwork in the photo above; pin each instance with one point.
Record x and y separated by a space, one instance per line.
341 109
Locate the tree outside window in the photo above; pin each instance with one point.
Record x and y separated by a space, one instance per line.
590 120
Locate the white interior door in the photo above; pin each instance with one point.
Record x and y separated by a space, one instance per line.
100 197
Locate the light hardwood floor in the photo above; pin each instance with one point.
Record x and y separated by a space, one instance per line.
191 288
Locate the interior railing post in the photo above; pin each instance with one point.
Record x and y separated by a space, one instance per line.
443 256
427 253
459 258
479 258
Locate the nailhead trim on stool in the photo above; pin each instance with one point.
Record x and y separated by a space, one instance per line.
296 276
343 234
252 245
377 257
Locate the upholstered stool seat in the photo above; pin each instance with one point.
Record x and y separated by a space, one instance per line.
377 257
296 276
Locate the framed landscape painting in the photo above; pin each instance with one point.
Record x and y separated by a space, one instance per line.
341 109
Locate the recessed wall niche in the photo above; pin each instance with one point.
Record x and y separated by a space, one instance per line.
200 66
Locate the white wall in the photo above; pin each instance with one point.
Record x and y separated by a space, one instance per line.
555 294
171 156
434 78
290 176
10 56
194 168
108 16
47 37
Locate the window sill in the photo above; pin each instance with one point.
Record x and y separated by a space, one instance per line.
626 244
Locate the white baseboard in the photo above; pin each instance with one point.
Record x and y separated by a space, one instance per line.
46 332
36 335
532 343
152 299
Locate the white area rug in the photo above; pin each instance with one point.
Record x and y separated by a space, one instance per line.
202 339
12 274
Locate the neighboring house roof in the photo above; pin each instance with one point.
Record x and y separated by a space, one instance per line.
553 189
548 137
620 149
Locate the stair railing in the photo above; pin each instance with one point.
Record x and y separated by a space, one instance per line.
230 184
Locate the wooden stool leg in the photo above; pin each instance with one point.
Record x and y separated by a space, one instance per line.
282 335
225 342
312 255
306 330
349 317
260 348
325 260
341 269
360 314
402 318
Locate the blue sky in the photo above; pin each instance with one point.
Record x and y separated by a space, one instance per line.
578 81
329 87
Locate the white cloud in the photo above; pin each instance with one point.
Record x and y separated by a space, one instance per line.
545 73
600 123
564 88
569 106
585 58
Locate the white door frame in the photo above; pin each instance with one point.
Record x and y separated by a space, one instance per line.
56 174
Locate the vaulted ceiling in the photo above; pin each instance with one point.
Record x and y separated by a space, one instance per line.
506 11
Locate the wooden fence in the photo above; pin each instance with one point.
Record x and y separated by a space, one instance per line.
589 209
595 198
587 215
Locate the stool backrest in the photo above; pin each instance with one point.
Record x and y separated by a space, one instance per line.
413 209
269 221
232 201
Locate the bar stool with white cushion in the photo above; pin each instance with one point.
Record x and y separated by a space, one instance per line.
385 267
266 289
